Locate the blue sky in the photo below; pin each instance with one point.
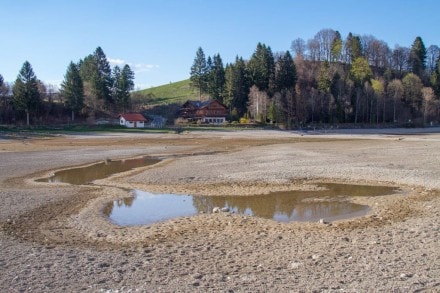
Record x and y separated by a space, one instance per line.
159 38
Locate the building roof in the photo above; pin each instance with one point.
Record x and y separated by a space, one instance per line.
202 104
133 117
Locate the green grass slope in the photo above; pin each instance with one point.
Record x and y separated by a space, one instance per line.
176 92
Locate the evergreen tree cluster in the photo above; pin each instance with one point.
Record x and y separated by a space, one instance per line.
329 80
208 75
26 96
231 84
105 89
89 85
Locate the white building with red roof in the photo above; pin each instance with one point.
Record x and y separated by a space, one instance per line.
132 120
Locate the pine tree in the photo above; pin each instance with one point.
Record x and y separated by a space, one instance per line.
25 91
237 87
198 72
123 84
285 80
116 87
285 73
417 57
347 48
261 67
72 89
216 79
87 68
96 72
353 48
356 48
228 93
336 47
126 85
102 80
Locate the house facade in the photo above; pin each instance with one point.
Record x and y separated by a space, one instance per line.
132 120
210 111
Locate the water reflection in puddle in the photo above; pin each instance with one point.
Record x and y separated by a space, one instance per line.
83 175
331 204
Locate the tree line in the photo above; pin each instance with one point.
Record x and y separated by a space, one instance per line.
359 79
89 86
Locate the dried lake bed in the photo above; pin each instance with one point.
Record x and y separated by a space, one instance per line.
56 238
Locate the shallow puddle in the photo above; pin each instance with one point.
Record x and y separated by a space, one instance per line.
84 175
329 204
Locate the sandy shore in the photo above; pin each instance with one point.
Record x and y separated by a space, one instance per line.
55 238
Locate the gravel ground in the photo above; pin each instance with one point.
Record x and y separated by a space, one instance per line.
55 238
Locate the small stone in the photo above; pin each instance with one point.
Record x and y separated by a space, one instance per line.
405 276
103 265
100 234
315 256
322 221
225 210
216 210
117 277
198 276
295 265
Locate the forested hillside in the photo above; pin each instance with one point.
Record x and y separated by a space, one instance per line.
359 79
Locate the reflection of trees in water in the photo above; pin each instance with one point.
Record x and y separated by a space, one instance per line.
204 203
295 205
126 202
260 205
284 206
108 209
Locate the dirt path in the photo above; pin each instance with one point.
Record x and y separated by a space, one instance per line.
55 238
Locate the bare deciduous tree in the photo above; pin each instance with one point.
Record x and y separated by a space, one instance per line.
400 59
325 39
258 104
429 103
432 54
395 92
298 47
314 50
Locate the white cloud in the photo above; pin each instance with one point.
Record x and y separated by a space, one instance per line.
136 67
114 62
141 67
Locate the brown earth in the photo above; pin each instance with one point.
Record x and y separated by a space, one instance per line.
54 237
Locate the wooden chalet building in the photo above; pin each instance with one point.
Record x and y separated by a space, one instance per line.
210 111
